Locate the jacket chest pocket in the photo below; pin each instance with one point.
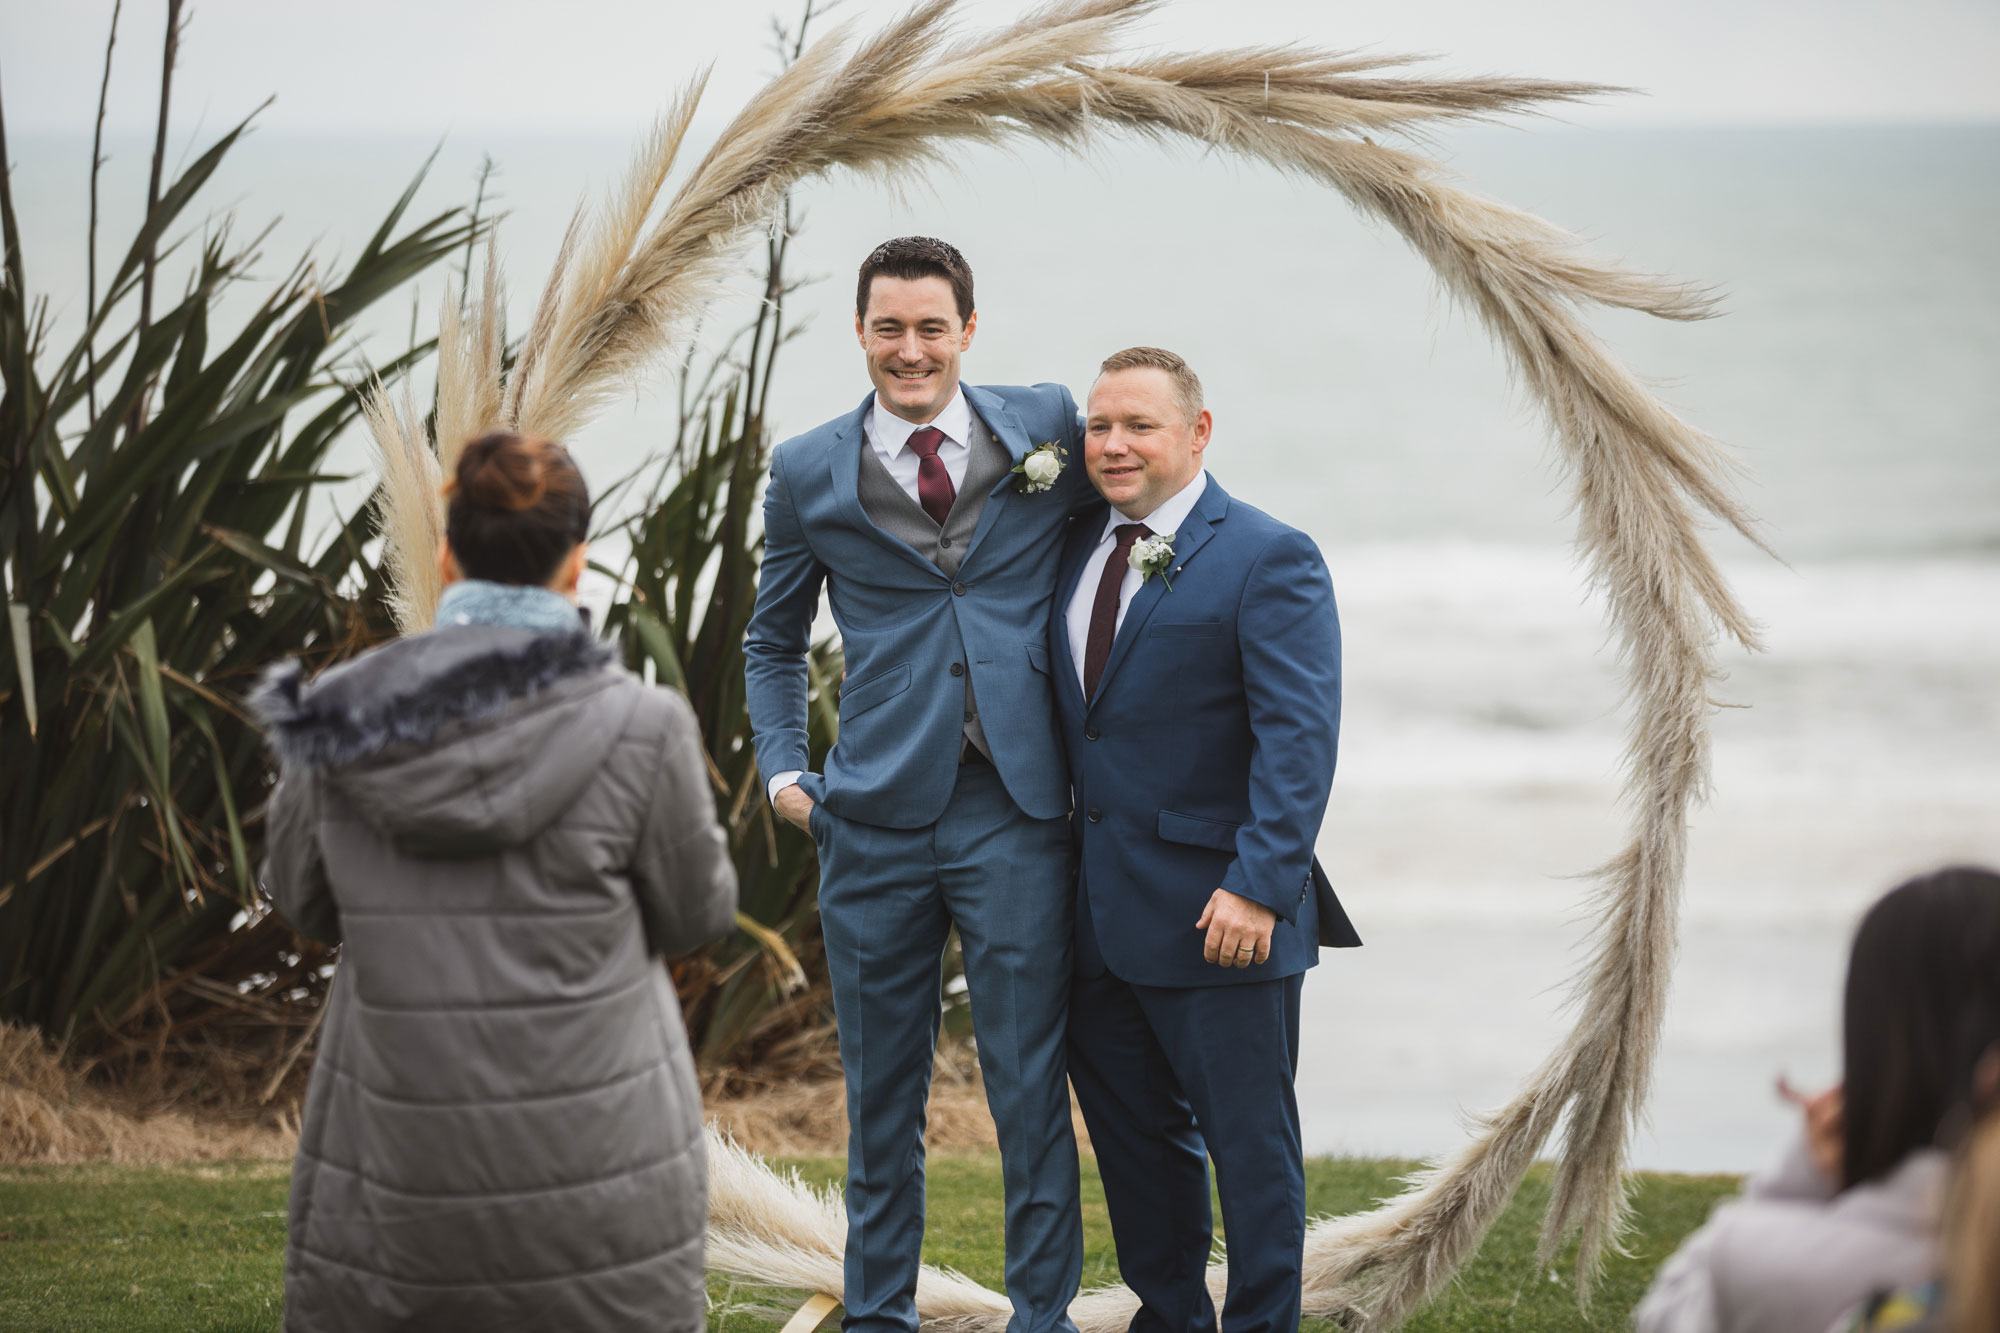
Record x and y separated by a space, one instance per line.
1198 831
1195 663
877 689
1179 631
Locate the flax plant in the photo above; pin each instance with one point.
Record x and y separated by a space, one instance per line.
757 1004
157 474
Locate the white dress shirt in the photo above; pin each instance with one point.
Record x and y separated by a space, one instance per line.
889 435
1172 512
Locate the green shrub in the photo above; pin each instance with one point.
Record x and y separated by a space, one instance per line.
157 477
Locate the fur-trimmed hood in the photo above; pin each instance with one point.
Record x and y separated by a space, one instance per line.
457 742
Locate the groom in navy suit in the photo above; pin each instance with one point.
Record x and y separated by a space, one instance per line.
1199 696
933 515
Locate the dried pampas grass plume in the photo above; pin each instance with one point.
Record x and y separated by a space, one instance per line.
409 513
471 348
625 292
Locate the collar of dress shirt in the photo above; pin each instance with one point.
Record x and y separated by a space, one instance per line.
1168 517
891 434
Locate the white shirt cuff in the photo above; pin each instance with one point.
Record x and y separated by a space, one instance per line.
786 779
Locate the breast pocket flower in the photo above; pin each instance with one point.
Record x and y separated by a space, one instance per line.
1152 555
1040 468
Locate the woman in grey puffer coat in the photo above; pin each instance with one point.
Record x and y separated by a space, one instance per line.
504 831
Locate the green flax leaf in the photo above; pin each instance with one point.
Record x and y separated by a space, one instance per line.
152 701
24 660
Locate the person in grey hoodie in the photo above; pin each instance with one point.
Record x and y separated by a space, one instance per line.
1854 1207
504 831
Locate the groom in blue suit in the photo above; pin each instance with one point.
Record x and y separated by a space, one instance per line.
1199 695
933 515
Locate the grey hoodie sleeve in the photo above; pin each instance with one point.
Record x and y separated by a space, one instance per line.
1785 1200
1682 1296
294 873
681 867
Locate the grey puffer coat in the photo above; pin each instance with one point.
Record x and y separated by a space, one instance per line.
504 831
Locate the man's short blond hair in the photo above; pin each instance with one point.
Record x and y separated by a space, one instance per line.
1187 386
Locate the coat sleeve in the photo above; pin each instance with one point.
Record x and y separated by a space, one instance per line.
780 634
681 867
294 875
1288 635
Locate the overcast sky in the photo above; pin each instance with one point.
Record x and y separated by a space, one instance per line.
428 68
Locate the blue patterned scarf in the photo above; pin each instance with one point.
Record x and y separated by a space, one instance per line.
477 602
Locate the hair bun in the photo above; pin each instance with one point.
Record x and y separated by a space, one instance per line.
503 472
516 508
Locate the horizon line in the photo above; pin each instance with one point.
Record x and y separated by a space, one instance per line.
711 126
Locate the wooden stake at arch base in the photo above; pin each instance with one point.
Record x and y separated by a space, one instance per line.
819 1307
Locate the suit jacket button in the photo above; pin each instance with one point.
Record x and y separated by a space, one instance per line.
1090 733
958 668
1096 816
958 589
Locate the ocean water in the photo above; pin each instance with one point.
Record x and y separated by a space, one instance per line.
1852 374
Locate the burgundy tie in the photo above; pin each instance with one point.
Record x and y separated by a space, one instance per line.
1104 611
934 489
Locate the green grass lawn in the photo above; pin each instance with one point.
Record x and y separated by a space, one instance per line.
201 1249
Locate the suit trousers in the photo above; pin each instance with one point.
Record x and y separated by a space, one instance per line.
1162 1073
888 898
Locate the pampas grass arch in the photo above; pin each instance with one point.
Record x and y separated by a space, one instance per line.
626 291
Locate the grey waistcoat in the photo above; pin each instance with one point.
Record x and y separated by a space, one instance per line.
891 509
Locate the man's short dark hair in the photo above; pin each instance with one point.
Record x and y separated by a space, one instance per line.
911 257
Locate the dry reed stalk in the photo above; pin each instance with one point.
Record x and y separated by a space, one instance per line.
409 512
470 351
592 332
623 294
777 1224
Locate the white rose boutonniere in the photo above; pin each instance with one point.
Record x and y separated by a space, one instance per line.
1152 555
1040 468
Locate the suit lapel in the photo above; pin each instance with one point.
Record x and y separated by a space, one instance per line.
844 465
992 409
1085 530
1192 536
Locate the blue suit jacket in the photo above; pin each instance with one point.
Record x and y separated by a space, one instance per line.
1206 757
904 624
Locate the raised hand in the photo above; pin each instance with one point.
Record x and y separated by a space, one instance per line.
1824 1129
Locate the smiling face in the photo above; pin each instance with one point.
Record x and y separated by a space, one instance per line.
1138 446
913 338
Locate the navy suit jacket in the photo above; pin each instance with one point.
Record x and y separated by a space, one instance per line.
909 631
1207 755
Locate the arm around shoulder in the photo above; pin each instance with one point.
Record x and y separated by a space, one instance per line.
1081 495
681 867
